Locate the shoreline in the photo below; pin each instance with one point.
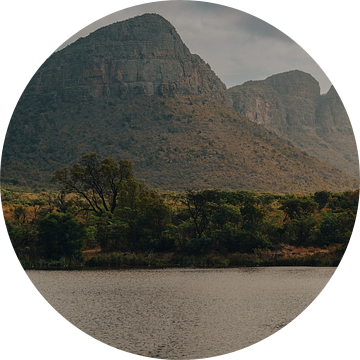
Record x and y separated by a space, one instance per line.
286 256
87 268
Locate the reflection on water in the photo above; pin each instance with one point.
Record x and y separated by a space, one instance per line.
181 313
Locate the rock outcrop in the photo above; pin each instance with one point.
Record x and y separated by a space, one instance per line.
140 56
290 104
285 99
331 113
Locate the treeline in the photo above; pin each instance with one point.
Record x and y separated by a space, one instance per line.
100 205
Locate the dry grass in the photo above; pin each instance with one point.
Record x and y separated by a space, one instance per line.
282 250
290 251
88 254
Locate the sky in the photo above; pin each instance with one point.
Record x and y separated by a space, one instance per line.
238 46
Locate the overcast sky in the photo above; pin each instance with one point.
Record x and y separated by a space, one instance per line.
238 46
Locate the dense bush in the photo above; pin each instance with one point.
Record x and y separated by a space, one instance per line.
123 216
61 236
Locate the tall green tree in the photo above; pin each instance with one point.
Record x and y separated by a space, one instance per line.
97 183
199 206
300 221
251 236
140 222
226 222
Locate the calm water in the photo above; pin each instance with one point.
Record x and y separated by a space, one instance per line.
181 313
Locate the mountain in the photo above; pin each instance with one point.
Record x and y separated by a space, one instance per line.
133 90
140 56
290 105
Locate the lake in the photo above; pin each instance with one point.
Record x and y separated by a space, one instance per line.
181 313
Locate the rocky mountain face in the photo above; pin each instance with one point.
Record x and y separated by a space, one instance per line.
290 104
140 56
133 91
331 114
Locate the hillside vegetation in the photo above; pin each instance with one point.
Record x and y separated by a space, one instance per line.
174 143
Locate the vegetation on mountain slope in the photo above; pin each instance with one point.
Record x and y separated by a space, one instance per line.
173 143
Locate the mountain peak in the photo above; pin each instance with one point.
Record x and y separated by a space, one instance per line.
143 28
290 104
140 56
295 83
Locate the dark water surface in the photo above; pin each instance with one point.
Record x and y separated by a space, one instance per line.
181 313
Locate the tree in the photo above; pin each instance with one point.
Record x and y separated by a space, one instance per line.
252 216
301 231
111 233
251 236
146 216
322 198
96 183
23 236
346 200
301 223
61 236
336 227
297 208
225 222
199 205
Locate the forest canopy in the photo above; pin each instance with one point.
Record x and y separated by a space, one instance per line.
100 206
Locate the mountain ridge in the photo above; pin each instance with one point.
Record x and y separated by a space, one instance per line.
177 126
290 104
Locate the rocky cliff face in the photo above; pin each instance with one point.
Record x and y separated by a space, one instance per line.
140 56
285 99
258 102
331 112
290 104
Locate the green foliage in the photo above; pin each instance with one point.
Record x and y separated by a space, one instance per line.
198 246
200 208
100 205
301 231
61 236
23 237
346 200
97 183
141 222
297 208
110 233
322 198
336 228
